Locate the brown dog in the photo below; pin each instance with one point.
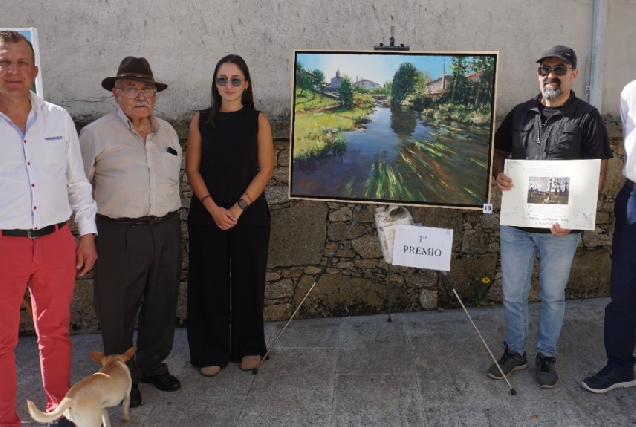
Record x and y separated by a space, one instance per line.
86 402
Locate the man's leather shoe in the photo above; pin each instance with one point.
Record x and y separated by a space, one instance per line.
62 422
135 396
164 382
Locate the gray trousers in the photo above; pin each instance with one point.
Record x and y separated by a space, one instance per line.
137 272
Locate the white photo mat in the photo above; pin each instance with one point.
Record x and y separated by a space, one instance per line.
551 191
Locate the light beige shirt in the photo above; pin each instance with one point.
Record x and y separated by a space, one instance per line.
131 178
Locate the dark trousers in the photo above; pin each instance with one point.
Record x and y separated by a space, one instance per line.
620 313
226 291
138 271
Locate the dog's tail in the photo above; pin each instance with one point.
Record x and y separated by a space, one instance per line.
47 417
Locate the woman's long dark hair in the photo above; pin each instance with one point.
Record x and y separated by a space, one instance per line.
247 98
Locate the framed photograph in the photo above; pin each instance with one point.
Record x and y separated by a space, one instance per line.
549 191
32 35
412 128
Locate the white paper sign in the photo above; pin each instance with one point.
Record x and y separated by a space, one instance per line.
423 247
549 191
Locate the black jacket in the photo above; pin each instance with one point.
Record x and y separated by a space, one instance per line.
559 138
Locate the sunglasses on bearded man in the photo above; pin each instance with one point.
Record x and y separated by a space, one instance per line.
559 70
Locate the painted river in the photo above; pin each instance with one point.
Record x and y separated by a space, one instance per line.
400 156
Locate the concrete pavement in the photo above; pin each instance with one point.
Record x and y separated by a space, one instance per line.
422 369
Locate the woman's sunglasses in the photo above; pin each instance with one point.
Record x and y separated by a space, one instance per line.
235 81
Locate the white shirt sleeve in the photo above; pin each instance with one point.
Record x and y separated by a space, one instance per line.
627 99
79 189
87 149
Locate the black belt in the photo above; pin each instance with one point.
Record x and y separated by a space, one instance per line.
630 184
34 234
142 220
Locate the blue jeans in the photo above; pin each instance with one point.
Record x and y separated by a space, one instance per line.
518 252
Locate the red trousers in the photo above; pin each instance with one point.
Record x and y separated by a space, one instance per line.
47 266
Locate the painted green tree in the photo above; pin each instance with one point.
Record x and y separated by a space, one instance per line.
386 88
304 81
459 86
404 82
318 79
484 66
346 92
423 77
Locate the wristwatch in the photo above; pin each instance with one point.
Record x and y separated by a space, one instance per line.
242 204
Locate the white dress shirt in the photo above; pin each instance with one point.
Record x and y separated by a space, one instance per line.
628 120
131 177
41 175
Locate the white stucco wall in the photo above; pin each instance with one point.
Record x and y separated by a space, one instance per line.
83 41
620 52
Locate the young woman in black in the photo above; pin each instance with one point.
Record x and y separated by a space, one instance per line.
229 160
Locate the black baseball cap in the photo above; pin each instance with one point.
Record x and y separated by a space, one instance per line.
562 52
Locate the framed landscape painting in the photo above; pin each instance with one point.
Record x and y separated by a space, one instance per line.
412 128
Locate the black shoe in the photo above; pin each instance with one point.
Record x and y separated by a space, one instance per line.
546 371
135 396
609 379
510 362
62 422
164 382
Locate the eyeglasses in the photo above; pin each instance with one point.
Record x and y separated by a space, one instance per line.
559 70
132 93
235 81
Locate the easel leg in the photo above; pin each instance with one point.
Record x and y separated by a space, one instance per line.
324 268
388 290
452 286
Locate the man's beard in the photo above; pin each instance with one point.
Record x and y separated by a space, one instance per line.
550 93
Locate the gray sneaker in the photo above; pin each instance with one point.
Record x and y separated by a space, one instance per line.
510 362
546 371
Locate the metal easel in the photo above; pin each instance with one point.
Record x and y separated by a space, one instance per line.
391 47
311 288
381 46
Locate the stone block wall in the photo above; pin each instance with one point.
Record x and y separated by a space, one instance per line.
305 233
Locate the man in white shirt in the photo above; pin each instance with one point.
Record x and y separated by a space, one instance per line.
133 160
620 313
41 182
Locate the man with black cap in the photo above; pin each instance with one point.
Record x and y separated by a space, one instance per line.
555 125
133 160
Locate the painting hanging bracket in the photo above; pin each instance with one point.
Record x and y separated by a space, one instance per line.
392 45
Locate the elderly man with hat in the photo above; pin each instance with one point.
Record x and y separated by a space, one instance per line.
555 125
133 160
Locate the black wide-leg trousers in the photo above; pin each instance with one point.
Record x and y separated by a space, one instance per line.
226 292
137 273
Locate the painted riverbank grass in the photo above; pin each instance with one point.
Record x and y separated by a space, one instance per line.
312 101
314 131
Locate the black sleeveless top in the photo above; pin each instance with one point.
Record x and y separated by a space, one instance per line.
229 162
